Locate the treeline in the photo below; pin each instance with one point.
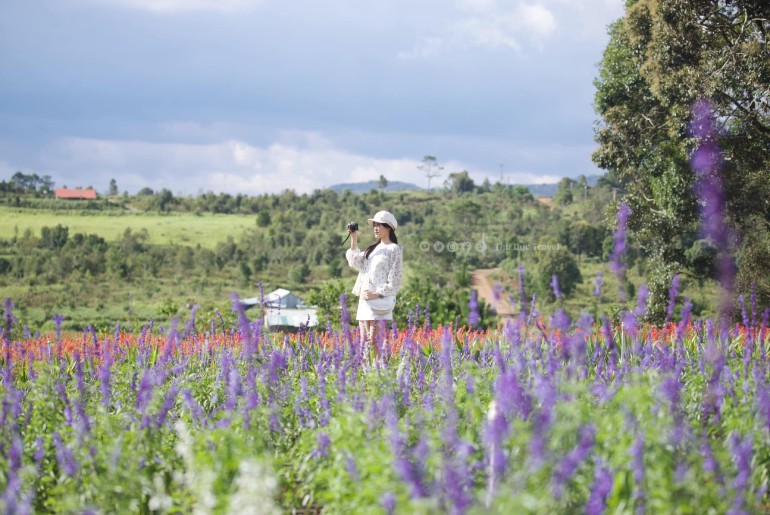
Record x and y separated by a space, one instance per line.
296 242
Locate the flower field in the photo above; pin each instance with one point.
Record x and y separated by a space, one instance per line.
541 416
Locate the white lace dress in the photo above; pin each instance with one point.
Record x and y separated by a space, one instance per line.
380 273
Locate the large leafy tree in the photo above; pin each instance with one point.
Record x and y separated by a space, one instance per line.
663 56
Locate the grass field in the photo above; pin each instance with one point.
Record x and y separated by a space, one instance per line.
177 228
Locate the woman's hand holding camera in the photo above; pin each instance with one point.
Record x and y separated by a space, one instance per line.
353 233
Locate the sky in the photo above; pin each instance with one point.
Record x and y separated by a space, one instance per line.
260 96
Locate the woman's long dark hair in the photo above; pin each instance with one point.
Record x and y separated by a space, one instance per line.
371 247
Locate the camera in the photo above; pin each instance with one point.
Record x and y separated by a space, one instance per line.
353 226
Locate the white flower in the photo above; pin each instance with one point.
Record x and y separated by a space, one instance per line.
254 490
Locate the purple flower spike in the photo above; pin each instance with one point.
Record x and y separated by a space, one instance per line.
555 286
598 285
672 294
522 291
322 446
388 502
637 460
473 305
706 162
603 480
616 259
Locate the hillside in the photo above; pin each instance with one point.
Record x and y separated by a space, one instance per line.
133 258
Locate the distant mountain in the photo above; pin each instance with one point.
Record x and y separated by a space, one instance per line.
537 190
549 190
366 187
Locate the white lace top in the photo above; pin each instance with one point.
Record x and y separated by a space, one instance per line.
380 273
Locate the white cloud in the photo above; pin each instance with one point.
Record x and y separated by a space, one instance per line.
489 25
535 19
475 5
231 166
172 6
427 47
310 161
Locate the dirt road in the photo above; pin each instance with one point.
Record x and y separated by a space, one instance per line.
481 281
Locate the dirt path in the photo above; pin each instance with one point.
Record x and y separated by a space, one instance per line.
481 281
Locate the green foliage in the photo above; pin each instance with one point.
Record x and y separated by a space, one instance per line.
662 57
558 262
327 299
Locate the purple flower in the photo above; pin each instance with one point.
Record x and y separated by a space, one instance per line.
144 394
388 502
566 467
555 286
742 450
193 406
598 285
168 403
15 453
637 460
710 464
671 388
616 258
322 446
103 374
410 471
511 397
496 433
763 403
351 468
473 306
522 291
64 456
601 488
641 305
57 321
249 343
672 293
234 388
707 161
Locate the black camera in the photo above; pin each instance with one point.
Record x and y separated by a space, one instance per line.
353 226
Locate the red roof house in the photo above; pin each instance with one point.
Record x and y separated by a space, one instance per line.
75 194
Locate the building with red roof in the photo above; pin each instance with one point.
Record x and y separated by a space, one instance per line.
75 194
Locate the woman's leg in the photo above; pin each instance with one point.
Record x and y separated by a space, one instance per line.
370 338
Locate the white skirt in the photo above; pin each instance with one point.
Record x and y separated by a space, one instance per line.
364 312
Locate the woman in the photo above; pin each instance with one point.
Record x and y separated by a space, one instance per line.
379 276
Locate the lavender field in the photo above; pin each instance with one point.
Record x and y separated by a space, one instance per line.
545 415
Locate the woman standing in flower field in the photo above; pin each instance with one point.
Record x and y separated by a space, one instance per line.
379 275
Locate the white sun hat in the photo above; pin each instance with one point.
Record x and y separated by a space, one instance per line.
384 217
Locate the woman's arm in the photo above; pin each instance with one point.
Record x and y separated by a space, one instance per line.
393 284
354 256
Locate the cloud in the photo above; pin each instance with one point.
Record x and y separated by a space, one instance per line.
229 166
488 25
173 6
475 5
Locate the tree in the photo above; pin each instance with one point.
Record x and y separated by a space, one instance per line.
430 167
383 183
663 56
263 218
564 191
113 187
459 183
558 262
